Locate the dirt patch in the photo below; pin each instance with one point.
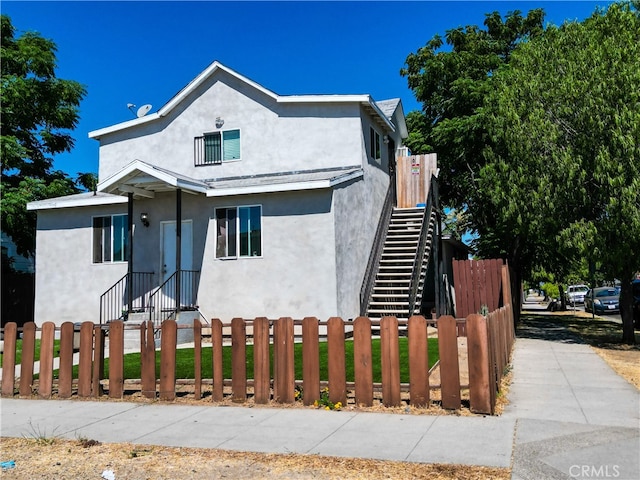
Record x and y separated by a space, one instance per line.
61 459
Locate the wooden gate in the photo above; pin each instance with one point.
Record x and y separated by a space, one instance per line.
413 175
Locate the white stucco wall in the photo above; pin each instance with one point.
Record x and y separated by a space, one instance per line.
68 284
357 210
296 274
274 137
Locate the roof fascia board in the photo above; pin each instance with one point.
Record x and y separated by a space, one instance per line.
81 202
179 97
284 187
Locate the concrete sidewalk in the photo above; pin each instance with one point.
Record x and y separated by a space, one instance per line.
570 416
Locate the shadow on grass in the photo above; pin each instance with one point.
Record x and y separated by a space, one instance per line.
566 328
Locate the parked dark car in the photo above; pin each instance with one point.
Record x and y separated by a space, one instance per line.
635 285
602 300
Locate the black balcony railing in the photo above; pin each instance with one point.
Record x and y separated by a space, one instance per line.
205 153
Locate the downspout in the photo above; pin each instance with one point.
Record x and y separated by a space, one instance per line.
178 247
129 251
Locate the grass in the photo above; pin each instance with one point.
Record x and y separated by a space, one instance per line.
185 357
56 351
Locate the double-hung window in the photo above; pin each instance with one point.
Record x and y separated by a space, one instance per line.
222 146
110 238
374 144
239 232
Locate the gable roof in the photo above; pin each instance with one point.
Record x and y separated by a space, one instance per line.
144 180
372 107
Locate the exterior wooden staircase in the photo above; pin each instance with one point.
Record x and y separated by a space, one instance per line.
399 282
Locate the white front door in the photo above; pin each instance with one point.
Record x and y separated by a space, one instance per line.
168 261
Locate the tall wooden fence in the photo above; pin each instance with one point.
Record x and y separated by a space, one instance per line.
489 341
480 284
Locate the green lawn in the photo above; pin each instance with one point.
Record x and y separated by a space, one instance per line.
185 370
56 351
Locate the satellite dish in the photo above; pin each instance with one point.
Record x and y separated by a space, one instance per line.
143 110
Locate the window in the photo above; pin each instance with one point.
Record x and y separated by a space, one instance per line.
374 144
110 238
239 232
222 146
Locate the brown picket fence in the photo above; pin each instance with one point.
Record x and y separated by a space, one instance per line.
489 340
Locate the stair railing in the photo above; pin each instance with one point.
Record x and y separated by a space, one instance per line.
177 293
377 248
128 295
422 243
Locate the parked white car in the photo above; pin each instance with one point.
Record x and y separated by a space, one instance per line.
575 294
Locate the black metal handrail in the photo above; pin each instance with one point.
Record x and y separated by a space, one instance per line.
377 248
422 243
128 295
177 293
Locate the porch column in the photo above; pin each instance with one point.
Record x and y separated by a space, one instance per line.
178 248
129 251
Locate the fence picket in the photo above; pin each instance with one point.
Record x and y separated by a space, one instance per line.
283 361
418 361
98 361
390 360
310 360
238 360
28 352
197 358
261 373
479 364
363 366
336 360
65 371
9 359
147 359
46 360
168 342
116 359
449 368
217 394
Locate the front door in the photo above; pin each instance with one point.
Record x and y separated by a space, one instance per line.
168 261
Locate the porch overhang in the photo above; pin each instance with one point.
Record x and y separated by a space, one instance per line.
282 182
144 181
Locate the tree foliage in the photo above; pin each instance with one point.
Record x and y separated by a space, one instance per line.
563 167
38 111
451 81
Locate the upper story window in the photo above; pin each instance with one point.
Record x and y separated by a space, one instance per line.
239 232
110 238
217 147
375 151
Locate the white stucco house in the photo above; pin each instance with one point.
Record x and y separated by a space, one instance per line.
267 204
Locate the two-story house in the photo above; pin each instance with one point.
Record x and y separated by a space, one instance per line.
230 199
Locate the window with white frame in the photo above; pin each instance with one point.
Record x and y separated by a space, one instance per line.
239 232
374 144
110 238
222 146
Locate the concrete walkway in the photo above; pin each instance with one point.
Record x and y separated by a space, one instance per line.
570 416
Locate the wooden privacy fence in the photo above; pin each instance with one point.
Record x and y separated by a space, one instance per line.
489 341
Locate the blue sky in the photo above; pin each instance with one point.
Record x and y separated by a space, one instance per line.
145 52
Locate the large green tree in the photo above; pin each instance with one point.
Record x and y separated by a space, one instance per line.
38 111
563 165
452 78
